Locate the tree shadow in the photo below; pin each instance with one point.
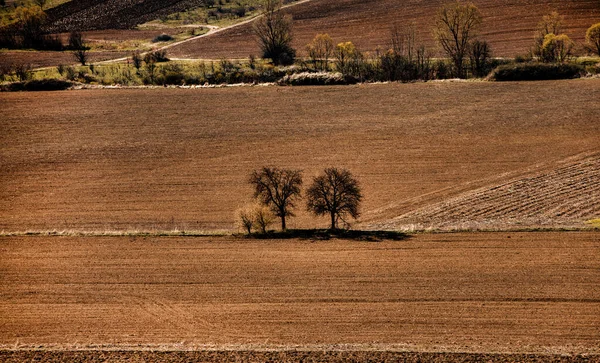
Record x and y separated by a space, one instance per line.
327 234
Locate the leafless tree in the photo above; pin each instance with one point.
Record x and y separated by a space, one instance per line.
274 32
455 26
479 54
78 46
337 193
277 189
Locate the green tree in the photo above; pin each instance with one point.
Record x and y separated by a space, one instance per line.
550 24
592 36
455 26
337 193
320 50
556 48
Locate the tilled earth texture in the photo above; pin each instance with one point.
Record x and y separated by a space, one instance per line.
496 293
496 156
508 25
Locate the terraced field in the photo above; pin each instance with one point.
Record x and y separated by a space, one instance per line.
563 197
508 25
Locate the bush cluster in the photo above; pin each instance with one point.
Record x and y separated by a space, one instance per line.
38 85
536 71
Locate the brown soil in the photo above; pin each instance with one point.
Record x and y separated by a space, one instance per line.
49 59
492 292
283 356
83 15
508 25
562 197
173 158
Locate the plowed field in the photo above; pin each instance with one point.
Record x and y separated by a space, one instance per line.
492 292
508 25
562 197
107 160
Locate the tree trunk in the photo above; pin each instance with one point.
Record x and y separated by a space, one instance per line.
283 223
332 221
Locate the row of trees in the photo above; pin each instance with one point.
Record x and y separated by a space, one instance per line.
335 193
456 30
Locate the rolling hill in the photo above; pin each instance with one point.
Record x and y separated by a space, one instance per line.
508 25
112 14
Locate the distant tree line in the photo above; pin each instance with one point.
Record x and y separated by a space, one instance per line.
456 31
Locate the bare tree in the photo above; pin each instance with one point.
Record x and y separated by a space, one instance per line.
274 32
278 189
336 193
78 46
245 218
455 26
263 217
479 55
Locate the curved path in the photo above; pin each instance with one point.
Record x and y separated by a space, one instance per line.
213 30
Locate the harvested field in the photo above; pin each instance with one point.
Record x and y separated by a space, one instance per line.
508 25
163 159
491 292
83 15
49 59
563 197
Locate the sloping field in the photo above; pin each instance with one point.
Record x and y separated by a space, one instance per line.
104 160
508 25
49 59
563 197
83 15
492 292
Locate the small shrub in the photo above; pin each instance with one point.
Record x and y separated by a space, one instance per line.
536 71
240 11
162 38
523 58
23 72
70 73
39 85
157 56
136 59
442 70
317 79
61 69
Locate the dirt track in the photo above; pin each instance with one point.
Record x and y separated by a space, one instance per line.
492 292
164 159
508 25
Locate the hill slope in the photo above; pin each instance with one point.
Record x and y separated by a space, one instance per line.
86 15
508 24
561 197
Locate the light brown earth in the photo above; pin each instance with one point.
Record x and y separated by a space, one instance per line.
476 292
104 160
508 25
562 197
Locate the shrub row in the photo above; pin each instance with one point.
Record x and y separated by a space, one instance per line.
536 72
37 85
